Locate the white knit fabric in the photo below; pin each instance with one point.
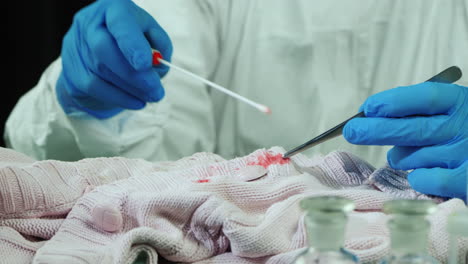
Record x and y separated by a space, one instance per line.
201 209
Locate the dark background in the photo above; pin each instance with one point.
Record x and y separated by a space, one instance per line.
35 30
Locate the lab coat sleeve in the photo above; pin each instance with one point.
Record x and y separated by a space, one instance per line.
179 125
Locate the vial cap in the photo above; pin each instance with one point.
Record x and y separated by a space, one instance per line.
457 223
410 207
327 204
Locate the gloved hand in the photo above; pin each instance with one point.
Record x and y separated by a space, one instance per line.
428 125
107 60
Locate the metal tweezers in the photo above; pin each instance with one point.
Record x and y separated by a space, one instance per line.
449 75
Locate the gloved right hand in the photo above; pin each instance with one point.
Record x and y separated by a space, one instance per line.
427 124
107 60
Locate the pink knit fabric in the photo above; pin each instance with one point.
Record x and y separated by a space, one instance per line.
200 209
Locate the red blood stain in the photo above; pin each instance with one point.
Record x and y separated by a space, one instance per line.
203 180
268 159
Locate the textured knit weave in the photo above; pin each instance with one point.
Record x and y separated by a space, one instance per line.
201 209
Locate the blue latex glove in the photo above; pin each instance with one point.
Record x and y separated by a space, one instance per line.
428 125
107 60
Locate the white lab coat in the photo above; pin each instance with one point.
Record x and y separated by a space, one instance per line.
313 62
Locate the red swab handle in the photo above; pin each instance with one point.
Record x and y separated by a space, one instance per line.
156 56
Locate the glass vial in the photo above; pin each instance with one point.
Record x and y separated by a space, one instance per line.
325 221
457 227
409 231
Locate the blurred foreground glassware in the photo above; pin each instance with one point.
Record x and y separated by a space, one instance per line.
409 231
457 227
326 220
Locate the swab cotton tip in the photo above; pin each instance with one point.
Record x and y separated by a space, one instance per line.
265 109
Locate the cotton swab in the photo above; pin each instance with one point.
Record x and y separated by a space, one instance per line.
158 59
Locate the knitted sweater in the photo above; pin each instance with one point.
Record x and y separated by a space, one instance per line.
200 209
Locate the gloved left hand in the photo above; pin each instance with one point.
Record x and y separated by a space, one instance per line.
107 60
428 125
